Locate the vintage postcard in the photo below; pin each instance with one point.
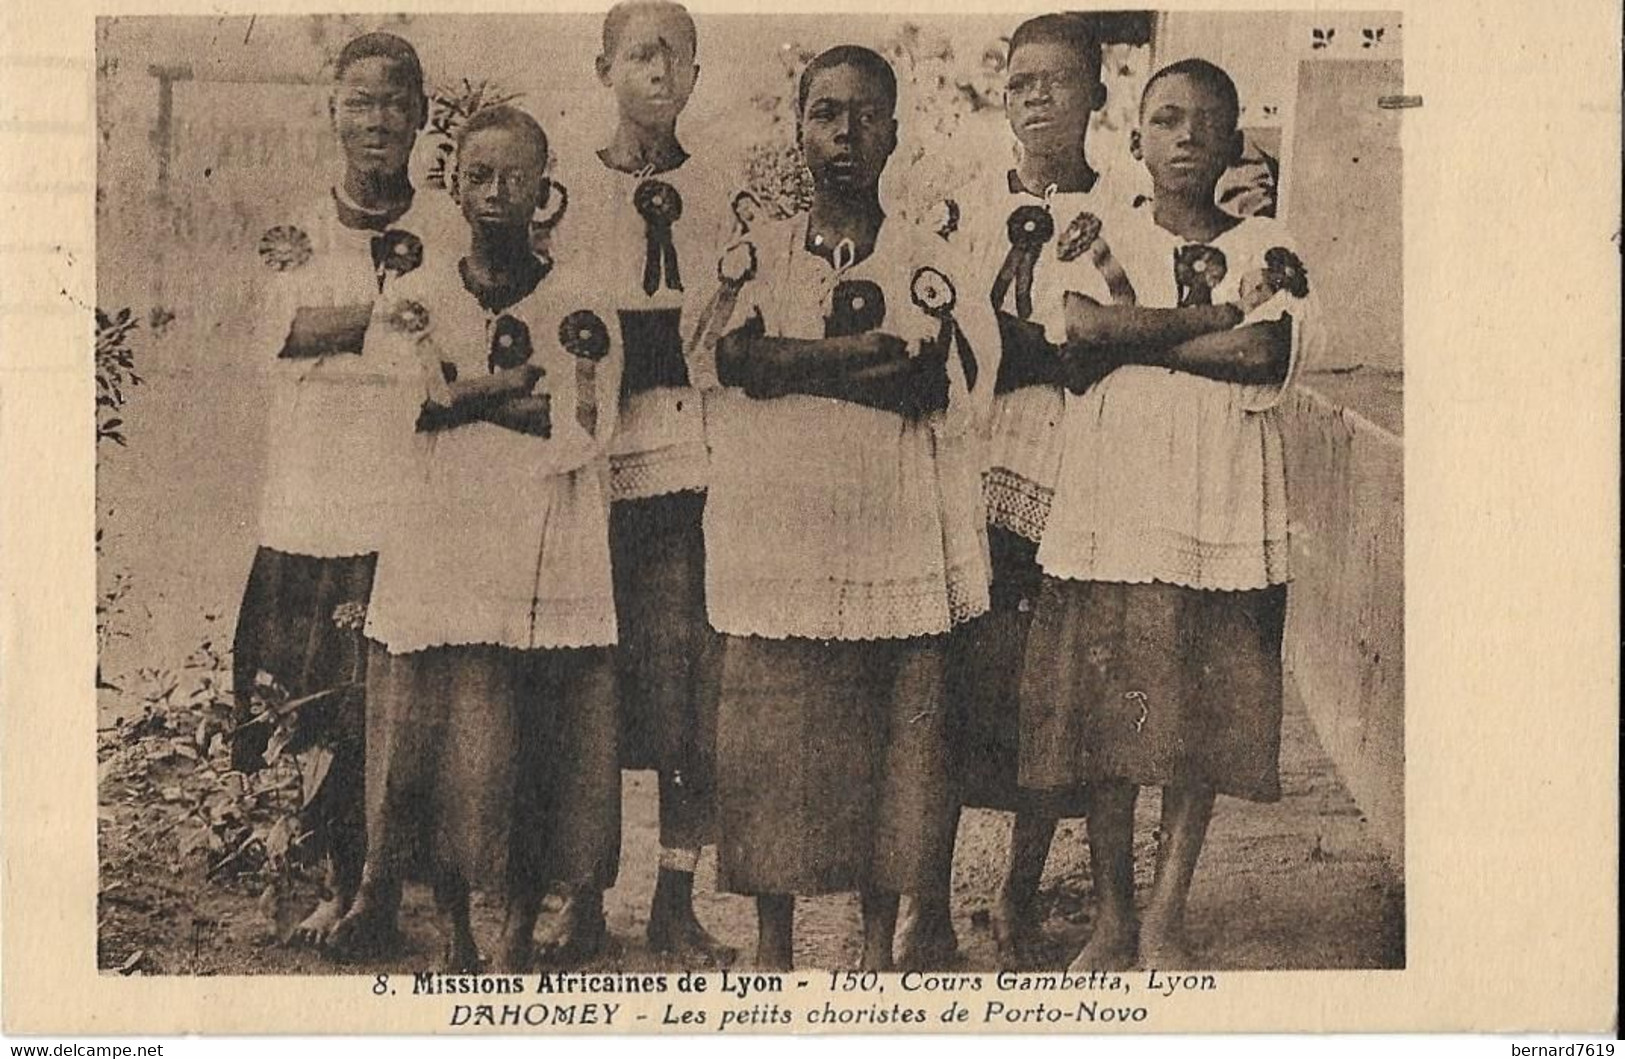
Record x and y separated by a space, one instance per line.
717 519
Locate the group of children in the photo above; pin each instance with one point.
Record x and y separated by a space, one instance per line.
838 522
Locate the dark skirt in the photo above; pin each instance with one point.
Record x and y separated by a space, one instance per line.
984 683
667 660
832 769
286 630
482 760
1154 684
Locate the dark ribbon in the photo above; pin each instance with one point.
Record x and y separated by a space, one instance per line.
652 340
1027 357
395 252
1197 270
510 344
949 332
1029 228
660 206
933 293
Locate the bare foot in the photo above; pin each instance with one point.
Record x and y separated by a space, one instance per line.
367 930
1166 948
773 958
928 941
877 955
680 933
462 953
577 933
315 929
1112 947
515 955
1014 931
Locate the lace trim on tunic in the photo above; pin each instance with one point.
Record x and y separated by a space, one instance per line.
1016 504
550 624
1177 559
846 610
672 469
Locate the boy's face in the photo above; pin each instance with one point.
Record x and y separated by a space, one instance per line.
652 70
1049 94
1187 136
847 130
377 111
500 179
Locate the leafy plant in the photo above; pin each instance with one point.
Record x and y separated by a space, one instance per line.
449 107
115 370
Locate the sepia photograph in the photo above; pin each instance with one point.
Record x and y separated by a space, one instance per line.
650 491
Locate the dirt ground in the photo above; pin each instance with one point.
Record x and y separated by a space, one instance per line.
1299 885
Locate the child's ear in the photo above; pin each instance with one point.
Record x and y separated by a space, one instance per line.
1134 145
1235 148
602 64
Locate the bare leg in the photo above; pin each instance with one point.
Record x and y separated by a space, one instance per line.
1113 945
519 924
1186 812
462 953
927 941
879 926
1014 927
315 929
775 932
673 926
369 928
579 930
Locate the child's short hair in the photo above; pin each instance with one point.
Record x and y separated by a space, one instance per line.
622 13
382 46
1073 30
506 117
864 60
1204 73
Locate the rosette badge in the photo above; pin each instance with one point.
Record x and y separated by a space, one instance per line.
856 306
510 343
1078 237
1198 269
660 206
658 202
1284 270
933 292
1030 227
409 317
584 334
284 247
738 264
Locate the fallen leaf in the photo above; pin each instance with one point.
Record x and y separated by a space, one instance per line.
129 966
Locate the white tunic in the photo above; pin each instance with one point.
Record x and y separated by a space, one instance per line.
660 445
1168 476
331 469
1024 436
827 519
502 537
